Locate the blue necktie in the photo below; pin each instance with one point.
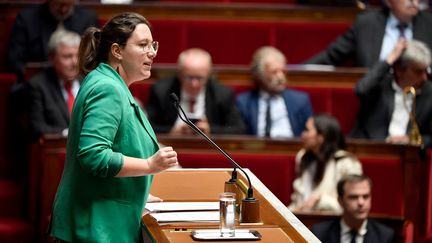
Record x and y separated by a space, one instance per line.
401 27
268 118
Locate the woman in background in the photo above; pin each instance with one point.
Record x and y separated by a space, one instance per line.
320 164
112 150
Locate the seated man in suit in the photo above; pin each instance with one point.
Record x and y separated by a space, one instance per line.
34 25
52 91
272 110
385 106
375 33
354 195
209 104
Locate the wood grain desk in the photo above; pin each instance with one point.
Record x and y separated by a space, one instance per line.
278 223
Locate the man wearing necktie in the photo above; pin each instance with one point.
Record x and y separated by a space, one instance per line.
355 197
271 109
207 103
374 34
53 91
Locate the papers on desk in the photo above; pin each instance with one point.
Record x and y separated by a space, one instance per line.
165 212
156 207
200 216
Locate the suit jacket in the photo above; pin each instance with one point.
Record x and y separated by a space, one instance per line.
377 103
91 204
298 104
48 111
32 30
329 232
220 108
362 42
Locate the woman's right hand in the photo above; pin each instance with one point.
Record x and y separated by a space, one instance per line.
163 159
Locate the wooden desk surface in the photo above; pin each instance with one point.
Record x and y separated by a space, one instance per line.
298 75
269 235
205 185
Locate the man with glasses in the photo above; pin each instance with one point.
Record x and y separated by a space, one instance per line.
206 102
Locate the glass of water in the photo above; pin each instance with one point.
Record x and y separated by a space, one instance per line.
227 205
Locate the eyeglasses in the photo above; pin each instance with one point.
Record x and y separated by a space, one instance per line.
147 47
190 78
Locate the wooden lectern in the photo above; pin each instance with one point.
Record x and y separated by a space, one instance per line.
278 223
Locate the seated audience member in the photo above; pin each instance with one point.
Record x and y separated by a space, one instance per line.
34 26
375 33
355 197
384 106
320 164
272 110
52 91
208 103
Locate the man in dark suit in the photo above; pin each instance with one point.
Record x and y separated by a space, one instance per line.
385 105
34 26
354 195
209 104
375 33
272 110
52 91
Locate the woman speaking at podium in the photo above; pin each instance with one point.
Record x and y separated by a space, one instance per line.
112 150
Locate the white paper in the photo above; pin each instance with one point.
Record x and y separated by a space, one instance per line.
181 206
200 216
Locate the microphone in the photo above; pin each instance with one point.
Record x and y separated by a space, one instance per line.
249 213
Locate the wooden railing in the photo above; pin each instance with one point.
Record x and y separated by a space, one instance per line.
237 11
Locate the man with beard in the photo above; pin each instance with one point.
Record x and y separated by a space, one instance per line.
272 110
354 196
34 26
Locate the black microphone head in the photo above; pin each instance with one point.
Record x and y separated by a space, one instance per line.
174 98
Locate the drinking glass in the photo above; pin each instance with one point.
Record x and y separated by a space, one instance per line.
227 205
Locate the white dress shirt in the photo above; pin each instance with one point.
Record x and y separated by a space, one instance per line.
346 232
391 36
400 116
281 126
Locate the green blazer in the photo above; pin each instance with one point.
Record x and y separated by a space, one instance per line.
91 205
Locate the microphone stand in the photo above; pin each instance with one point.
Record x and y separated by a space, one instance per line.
249 212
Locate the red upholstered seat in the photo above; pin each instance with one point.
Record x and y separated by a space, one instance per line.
229 42
140 90
387 177
301 40
11 199
320 98
344 106
6 82
171 35
16 231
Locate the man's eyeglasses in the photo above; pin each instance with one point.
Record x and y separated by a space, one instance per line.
147 47
191 78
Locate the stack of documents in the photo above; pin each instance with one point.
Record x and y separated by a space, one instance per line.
165 212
